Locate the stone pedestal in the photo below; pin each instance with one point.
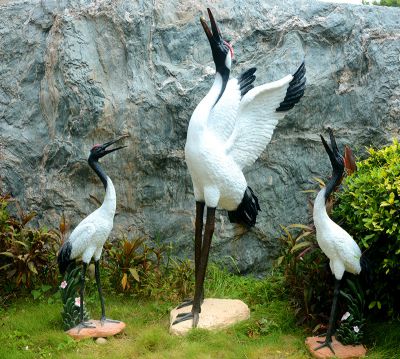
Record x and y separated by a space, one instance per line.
215 314
341 351
100 331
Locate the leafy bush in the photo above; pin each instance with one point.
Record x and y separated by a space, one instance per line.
351 329
135 267
27 254
306 272
369 208
124 263
395 3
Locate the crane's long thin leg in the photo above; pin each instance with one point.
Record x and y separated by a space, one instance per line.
83 274
328 339
198 293
208 233
82 323
103 310
198 234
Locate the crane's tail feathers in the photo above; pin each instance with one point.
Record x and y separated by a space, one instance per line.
63 258
245 81
295 90
247 211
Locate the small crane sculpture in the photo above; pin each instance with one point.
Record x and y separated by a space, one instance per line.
87 239
341 249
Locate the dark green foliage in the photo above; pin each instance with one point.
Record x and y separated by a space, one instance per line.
127 262
388 3
307 274
351 329
262 326
368 208
70 313
27 254
395 3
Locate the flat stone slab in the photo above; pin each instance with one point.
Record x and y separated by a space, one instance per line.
108 329
215 314
341 351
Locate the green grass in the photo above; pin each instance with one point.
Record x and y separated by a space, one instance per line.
33 329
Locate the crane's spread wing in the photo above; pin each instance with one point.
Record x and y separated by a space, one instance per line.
222 118
258 114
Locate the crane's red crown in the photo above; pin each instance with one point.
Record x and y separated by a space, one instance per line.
230 48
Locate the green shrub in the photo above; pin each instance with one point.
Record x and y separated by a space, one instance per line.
389 3
307 274
368 208
146 270
27 254
351 329
383 2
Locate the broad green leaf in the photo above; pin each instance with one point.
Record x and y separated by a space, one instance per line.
124 281
135 274
32 267
300 246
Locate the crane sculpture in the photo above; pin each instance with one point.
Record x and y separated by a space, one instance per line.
341 249
228 130
87 239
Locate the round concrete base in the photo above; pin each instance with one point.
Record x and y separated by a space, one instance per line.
100 331
341 351
215 314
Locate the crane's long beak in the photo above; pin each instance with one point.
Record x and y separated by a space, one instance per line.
328 150
335 149
214 34
109 143
333 153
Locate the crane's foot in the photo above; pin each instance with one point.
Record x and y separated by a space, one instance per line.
325 343
82 325
187 316
186 302
106 320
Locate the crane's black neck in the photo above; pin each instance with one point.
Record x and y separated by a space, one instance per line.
95 165
332 183
224 72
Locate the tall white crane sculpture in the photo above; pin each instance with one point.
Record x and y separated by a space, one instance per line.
341 249
228 130
87 239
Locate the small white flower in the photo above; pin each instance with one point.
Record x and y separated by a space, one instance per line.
356 329
63 284
78 301
345 316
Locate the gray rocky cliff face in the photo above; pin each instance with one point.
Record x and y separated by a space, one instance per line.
76 73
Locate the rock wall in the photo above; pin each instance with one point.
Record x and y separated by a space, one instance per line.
75 73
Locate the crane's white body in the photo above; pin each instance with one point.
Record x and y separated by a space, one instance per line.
225 137
88 238
341 249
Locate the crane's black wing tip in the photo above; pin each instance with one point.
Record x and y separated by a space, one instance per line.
247 211
64 257
246 79
295 90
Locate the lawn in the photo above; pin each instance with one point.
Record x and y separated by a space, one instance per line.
33 329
